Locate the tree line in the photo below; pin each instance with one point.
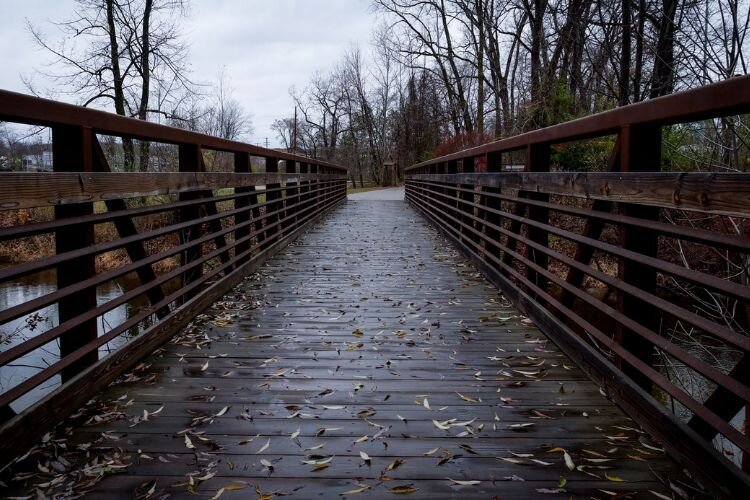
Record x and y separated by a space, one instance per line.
442 75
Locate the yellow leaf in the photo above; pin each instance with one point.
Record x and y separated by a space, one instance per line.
233 487
403 489
466 398
394 464
614 479
362 487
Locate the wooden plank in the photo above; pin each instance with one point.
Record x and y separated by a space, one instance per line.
28 190
722 478
23 430
285 355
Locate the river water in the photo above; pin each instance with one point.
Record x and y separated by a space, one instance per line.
16 331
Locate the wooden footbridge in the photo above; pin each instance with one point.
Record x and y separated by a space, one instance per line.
494 335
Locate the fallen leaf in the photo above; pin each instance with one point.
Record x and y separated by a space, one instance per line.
234 487
615 479
362 487
466 398
264 447
395 464
569 461
403 489
464 483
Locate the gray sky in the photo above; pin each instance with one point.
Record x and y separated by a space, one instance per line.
266 46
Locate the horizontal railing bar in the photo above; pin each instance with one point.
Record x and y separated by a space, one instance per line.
22 108
729 288
42 264
45 300
38 189
40 377
715 193
691 361
721 332
730 97
742 441
35 228
695 235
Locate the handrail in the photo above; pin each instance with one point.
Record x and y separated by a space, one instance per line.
546 238
730 97
30 110
181 234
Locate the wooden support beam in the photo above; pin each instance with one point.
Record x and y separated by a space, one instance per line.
125 228
593 229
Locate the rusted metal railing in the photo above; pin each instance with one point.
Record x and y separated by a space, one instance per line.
587 257
188 236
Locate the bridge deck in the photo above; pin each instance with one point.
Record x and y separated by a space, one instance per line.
368 335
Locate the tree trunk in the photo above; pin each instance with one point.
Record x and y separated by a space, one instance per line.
627 21
663 77
117 83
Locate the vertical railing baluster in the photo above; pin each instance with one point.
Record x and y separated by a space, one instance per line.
537 160
467 210
273 195
494 164
290 199
190 161
640 151
72 151
242 166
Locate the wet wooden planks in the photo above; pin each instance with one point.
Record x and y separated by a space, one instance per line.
372 335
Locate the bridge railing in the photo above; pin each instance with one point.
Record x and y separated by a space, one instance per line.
183 238
603 262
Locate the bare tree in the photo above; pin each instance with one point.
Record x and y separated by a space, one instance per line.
124 53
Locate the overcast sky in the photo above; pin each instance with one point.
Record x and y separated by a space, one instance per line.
267 46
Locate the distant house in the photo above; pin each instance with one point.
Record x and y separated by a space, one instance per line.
38 162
